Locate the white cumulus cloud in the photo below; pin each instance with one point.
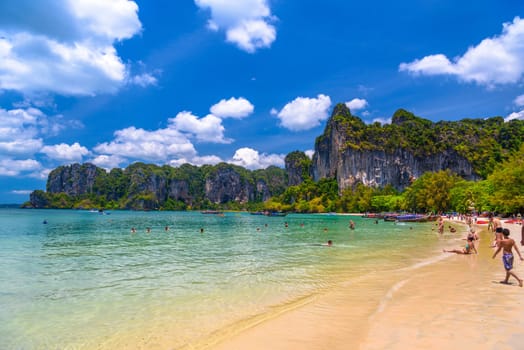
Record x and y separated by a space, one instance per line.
20 147
144 80
356 104
250 35
515 115
71 52
65 152
111 19
139 144
519 100
247 23
206 129
107 162
496 60
22 139
22 130
310 153
22 192
15 167
197 160
304 113
232 108
252 159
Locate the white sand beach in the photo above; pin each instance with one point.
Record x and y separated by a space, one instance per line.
455 302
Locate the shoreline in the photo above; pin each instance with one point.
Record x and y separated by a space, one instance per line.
462 306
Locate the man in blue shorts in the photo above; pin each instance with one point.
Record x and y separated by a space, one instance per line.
507 245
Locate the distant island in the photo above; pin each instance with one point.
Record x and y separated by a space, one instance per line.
412 164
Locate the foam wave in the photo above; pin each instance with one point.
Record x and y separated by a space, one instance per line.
433 260
387 297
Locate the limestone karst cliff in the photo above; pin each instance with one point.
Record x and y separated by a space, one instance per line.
349 151
397 153
149 187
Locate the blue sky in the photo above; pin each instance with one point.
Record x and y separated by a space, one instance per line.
247 81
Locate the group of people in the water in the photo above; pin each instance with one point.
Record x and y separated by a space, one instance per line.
329 243
166 228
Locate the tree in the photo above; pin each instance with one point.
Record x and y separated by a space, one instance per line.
431 192
508 183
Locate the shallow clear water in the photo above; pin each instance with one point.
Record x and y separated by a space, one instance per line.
84 280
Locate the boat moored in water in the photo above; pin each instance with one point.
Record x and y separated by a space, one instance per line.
212 212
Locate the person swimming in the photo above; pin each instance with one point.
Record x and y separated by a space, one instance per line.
329 243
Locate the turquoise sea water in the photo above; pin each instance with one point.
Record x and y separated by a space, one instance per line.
85 281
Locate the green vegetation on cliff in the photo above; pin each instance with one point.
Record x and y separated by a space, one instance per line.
442 191
492 147
483 142
150 187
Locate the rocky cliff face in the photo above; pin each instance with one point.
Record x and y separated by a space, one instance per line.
226 185
143 181
179 191
349 151
74 180
298 166
337 157
142 186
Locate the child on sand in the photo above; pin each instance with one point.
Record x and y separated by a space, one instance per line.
507 245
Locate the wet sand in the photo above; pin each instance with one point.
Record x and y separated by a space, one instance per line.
451 302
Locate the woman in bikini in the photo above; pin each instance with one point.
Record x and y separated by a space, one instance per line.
468 248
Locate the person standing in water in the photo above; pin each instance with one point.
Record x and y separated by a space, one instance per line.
507 245
441 225
498 237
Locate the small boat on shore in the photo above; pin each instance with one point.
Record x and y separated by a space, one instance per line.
391 217
410 217
276 213
212 212
374 216
268 213
416 218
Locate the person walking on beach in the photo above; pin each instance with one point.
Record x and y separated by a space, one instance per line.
507 245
